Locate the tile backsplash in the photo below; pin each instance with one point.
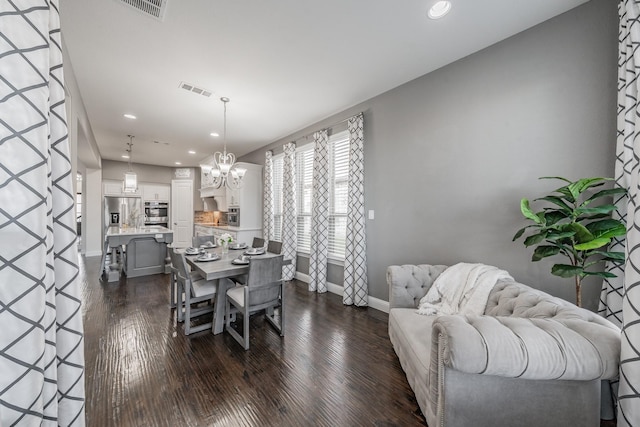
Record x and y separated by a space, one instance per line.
208 217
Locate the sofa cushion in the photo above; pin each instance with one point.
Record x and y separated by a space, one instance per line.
410 334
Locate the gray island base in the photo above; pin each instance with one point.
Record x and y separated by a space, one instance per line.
145 251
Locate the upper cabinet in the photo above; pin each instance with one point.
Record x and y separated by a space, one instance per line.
114 188
248 197
149 192
156 192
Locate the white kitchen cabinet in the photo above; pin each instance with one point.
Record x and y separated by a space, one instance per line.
156 192
248 197
114 188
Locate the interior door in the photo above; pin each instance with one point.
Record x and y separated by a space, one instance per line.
182 212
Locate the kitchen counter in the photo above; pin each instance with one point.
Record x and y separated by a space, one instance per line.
143 251
226 227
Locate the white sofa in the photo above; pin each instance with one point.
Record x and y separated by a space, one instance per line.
530 360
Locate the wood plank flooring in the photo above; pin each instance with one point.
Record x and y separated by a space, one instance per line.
334 367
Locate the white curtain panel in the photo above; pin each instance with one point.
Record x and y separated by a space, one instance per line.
41 343
320 214
267 219
356 289
290 216
620 298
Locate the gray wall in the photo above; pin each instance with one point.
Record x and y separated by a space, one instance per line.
449 155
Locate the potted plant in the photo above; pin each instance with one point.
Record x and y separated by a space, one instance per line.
572 224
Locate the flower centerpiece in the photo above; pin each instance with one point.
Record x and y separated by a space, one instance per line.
224 241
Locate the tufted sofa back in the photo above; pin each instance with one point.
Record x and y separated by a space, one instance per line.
409 283
512 299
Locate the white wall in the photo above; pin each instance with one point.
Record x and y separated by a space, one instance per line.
449 155
93 210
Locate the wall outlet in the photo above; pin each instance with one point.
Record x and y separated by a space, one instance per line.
371 214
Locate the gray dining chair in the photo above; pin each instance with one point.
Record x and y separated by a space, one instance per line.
264 290
257 242
192 291
274 247
198 241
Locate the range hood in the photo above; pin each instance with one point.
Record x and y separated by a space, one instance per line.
217 203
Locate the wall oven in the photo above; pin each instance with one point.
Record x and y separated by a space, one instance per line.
156 213
233 216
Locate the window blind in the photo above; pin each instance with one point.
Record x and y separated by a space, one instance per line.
304 193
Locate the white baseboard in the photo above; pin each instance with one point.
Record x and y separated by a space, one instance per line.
375 303
93 253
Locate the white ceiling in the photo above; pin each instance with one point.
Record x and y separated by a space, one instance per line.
284 64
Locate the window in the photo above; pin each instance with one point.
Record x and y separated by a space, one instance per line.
304 195
338 194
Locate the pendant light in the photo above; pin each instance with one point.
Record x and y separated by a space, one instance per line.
224 171
130 182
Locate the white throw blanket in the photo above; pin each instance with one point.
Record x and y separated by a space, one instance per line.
462 288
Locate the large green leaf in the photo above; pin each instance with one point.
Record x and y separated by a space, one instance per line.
558 202
592 244
607 228
553 216
603 274
603 209
534 239
544 251
528 213
581 185
582 233
604 193
611 256
564 270
555 236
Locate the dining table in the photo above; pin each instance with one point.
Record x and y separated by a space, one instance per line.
223 269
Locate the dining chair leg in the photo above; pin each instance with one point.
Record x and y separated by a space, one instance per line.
282 309
173 286
187 315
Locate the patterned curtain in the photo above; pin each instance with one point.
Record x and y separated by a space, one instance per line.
267 215
620 298
41 343
290 217
320 214
355 263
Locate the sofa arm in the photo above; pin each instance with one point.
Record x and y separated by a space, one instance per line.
531 348
409 283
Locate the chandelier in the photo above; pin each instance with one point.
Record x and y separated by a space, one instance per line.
130 182
224 171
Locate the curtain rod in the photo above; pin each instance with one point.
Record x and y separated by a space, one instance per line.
326 127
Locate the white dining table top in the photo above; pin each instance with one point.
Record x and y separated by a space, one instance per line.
224 267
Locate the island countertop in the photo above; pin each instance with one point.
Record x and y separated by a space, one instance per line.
138 231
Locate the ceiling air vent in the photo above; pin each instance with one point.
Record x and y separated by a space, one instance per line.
195 89
153 8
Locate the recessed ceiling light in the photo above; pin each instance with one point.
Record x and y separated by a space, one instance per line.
214 134
192 152
439 9
124 156
130 116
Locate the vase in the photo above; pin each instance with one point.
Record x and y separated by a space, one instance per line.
225 247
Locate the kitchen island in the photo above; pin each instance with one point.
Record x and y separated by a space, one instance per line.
143 251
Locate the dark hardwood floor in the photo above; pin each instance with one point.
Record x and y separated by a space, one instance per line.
334 367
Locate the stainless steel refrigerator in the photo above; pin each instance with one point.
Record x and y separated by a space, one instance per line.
121 211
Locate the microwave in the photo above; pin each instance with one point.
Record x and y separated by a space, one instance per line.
233 216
